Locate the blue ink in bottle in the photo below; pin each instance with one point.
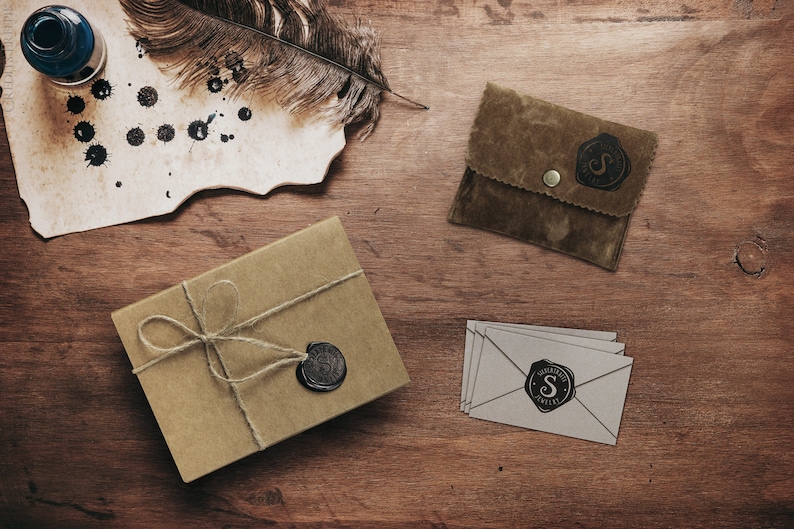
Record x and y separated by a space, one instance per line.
60 43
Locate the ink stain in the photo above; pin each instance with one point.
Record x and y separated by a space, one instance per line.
118 184
244 114
139 48
101 89
166 133
234 62
167 194
75 104
84 132
147 96
135 136
345 88
198 130
211 67
215 85
225 138
86 72
210 118
96 155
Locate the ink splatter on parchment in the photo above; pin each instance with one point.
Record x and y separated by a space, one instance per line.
113 141
84 132
136 136
101 89
147 96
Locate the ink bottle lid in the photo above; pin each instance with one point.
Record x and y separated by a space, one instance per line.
60 43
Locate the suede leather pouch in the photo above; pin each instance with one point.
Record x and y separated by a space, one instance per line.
552 176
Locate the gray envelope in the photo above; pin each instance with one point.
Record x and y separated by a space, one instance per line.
597 392
475 331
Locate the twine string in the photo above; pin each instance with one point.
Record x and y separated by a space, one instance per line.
228 333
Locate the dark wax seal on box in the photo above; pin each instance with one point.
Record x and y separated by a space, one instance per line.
549 385
601 163
324 369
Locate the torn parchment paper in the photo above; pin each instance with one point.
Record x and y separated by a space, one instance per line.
130 145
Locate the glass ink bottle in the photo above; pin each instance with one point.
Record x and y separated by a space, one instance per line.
60 43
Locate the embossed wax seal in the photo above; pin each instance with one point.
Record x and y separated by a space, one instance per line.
602 163
549 385
324 369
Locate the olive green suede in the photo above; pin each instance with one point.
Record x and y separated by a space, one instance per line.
515 139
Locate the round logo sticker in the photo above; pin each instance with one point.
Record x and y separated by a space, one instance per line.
549 385
602 163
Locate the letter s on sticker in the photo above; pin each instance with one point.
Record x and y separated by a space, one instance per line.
551 386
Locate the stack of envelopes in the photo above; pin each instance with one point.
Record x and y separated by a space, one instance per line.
570 382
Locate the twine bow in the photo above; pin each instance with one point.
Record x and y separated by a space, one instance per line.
230 332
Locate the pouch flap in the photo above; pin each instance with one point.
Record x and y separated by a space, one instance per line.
602 166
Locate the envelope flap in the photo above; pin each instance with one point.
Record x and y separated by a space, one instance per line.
604 397
587 365
517 139
497 374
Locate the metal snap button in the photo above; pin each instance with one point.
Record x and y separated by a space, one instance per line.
551 178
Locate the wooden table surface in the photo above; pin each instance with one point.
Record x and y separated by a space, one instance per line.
702 297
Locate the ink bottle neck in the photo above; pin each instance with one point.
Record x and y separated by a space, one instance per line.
60 43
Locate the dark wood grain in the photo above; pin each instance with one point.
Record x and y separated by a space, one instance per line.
702 297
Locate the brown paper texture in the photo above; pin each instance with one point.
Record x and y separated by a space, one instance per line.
66 193
197 413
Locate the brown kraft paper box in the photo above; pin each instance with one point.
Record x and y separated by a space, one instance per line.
201 415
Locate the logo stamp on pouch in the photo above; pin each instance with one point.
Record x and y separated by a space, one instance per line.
601 163
549 385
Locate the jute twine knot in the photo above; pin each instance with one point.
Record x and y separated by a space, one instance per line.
229 332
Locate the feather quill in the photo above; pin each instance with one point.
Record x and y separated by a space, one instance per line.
308 59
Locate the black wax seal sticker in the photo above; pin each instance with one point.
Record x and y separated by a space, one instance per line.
549 385
324 369
601 163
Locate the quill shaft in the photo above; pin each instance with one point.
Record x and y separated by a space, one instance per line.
320 57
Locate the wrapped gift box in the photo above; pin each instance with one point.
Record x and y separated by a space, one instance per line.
217 355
